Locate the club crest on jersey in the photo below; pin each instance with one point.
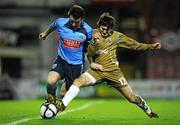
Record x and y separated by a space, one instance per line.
68 43
81 36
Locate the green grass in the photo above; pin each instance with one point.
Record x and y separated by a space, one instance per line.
106 112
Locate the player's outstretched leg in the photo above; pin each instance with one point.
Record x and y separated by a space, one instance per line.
131 97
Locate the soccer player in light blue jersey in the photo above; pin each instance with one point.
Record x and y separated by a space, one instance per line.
74 35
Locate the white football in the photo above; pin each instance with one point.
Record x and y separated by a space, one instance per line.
48 110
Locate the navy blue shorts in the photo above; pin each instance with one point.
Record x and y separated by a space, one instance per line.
67 71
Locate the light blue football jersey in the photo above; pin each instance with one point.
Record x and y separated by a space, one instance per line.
71 42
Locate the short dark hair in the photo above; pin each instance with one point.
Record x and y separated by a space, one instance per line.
106 20
76 12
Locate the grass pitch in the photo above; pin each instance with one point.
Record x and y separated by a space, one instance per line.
91 112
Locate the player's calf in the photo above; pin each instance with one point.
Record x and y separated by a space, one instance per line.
51 89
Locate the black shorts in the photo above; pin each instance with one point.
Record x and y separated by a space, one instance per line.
67 71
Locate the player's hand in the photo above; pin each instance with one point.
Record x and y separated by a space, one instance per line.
42 36
97 66
157 45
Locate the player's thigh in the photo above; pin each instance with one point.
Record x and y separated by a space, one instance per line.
72 73
119 82
117 79
53 77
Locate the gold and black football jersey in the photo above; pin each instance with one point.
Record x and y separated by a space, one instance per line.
103 50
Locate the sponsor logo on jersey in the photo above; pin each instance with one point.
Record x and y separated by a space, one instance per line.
101 51
68 43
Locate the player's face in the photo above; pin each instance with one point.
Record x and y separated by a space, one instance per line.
104 30
75 23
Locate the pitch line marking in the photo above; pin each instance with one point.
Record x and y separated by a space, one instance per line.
60 114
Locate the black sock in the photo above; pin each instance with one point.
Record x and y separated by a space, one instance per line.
51 89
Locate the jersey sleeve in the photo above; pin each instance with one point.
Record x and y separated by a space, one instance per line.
130 43
89 34
54 23
89 31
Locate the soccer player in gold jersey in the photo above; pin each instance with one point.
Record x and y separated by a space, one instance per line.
104 64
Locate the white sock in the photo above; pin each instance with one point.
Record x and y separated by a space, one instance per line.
70 94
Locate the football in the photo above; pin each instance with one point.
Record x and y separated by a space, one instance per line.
48 110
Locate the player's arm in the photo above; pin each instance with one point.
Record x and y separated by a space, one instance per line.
43 35
52 27
94 65
130 43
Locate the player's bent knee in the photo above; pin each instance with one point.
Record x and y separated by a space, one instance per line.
52 81
53 77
